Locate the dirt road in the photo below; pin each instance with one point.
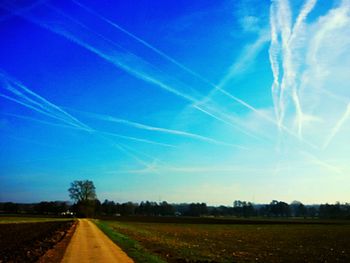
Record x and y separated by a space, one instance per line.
90 244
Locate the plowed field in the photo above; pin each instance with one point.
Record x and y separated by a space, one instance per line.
27 242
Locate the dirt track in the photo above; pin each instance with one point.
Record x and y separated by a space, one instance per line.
90 244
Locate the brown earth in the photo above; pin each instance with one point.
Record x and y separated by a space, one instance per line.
27 242
55 254
240 243
90 244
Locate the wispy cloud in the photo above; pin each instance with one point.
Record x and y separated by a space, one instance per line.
141 126
192 169
323 164
240 65
249 54
32 100
243 62
130 63
117 59
136 139
337 126
141 41
284 38
99 132
302 63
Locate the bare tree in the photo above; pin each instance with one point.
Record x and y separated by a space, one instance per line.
82 191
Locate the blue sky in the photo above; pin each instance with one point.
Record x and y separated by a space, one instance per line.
181 101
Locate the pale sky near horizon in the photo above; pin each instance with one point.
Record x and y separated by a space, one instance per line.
184 101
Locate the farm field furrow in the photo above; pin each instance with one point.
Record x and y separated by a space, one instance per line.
239 243
27 242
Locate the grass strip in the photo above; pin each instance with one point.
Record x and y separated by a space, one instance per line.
131 247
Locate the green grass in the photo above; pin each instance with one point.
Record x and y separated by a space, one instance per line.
235 243
131 247
14 219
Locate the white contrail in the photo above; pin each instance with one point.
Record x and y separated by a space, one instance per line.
229 119
130 154
117 62
48 112
139 74
256 46
280 23
306 9
145 76
194 101
266 117
137 58
71 124
142 41
156 129
284 23
42 121
137 125
47 106
249 53
53 106
38 110
178 132
129 69
148 166
130 138
196 169
136 139
273 56
23 96
338 126
296 31
339 98
232 70
152 158
323 164
100 134
18 12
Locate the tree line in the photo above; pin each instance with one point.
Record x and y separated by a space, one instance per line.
86 204
239 208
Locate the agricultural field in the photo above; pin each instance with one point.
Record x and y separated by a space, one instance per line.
27 242
176 242
16 219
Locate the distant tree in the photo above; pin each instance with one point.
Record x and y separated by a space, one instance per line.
298 209
278 208
330 211
108 208
10 207
248 210
312 211
243 209
54 208
197 209
166 209
83 193
128 209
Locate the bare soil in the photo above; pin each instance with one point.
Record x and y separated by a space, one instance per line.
27 242
241 242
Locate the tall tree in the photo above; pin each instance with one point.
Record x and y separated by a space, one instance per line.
82 191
